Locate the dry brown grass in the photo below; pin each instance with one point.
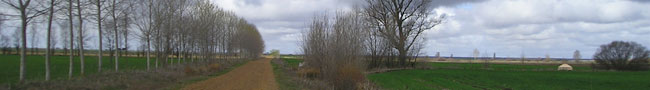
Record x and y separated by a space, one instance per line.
310 73
161 78
349 77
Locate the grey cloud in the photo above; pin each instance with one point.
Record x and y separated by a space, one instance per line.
642 1
539 27
253 2
536 27
438 3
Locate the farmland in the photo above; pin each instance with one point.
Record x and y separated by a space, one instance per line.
36 70
506 76
473 76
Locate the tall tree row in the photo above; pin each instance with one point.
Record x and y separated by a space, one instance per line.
172 31
27 12
178 30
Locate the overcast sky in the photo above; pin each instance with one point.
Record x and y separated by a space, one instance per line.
504 27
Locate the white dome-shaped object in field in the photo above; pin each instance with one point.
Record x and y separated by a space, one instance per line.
565 67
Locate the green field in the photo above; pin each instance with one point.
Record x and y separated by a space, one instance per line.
284 81
35 69
505 67
504 76
292 62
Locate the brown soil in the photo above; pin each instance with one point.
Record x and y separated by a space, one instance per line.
255 75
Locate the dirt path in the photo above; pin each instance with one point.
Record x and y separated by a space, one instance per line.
255 75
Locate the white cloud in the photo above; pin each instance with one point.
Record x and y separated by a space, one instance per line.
507 27
537 27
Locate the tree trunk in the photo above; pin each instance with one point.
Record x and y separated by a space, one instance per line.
99 27
70 19
148 52
23 18
81 42
116 36
402 56
49 33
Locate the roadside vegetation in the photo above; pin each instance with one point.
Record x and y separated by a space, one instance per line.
171 77
285 81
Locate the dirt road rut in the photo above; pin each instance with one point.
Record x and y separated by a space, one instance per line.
255 75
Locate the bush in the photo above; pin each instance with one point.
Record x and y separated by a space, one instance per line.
348 77
189 70
308 72
214 67
334 51
620 55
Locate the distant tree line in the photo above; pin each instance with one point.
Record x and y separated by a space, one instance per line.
172 31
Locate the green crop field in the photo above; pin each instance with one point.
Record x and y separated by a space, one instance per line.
292 62
505 67
35 66
504 76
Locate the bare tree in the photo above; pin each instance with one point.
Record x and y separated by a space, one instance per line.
5 45
2 21
275 53
99 17
63 31
548 58
438 56
49 35
71 27
337 50
27 13
621 55
145 25
17 40
577 56
401 22
114 17
33 40
523 57
494 55
81 39
476 53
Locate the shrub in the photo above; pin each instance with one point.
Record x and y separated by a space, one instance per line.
189 70
214 67
620 55
308 72
348 77
334 51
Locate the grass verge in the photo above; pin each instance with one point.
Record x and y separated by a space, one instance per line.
281 76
